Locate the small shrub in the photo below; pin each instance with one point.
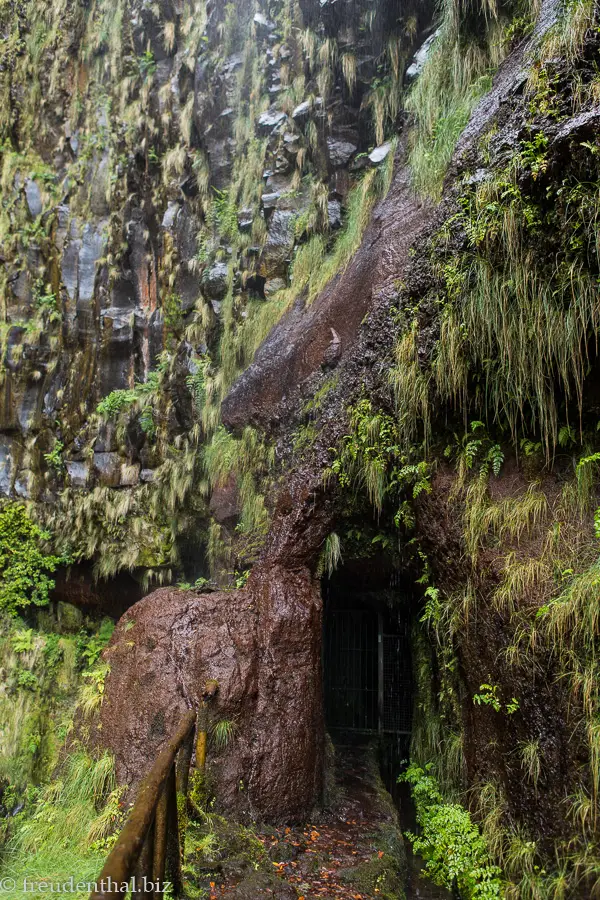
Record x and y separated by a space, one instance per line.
455 851
111 405
25 567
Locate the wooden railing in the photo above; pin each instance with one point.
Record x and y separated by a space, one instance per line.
149 849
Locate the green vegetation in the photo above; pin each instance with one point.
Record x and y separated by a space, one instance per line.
25 566
494 297
65 831
457 73
242 466
222 733
455 851
489 695
142 399
371 459
50 665
64 806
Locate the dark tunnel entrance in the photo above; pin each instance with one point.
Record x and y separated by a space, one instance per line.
366 656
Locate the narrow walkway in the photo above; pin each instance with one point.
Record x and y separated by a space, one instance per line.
354 847
352 852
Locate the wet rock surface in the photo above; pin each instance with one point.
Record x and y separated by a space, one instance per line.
298 346
353 851
78 587
263 646
117 230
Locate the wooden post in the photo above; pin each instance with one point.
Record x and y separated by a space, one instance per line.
202 737
184 761
175 846
208 694
182 773
160 842
141 846
143 871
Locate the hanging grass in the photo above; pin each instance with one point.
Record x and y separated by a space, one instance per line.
65 833
457 73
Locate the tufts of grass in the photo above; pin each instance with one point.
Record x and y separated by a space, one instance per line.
495 319
331 555
531 760
455 76
222 733
411 388
566 37
64 833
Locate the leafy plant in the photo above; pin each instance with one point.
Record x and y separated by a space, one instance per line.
147 64
92 693
25 567
111 405
22 640
241 578
456 853
490 696
48 304
27 680
371 457
89 647
55 457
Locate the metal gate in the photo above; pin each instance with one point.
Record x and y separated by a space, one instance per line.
367 672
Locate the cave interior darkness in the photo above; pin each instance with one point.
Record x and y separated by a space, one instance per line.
367 667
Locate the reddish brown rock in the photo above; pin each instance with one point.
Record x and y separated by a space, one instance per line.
162 652
301 341
263 646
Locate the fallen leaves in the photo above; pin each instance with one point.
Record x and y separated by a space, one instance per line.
310 858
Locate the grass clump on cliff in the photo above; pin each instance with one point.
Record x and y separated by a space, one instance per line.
514 324
456 74
65 832
58 809
50 664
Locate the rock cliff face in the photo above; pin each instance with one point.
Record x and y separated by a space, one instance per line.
443 318
203 227
161 163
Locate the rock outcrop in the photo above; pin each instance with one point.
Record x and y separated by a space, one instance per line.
263 646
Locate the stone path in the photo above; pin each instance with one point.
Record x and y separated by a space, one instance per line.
352 852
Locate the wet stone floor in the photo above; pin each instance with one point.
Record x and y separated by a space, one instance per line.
352 852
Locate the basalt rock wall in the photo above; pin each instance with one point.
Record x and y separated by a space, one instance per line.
161 165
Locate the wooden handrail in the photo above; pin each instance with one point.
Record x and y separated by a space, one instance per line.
150 837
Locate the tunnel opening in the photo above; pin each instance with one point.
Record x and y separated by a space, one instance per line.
367 665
